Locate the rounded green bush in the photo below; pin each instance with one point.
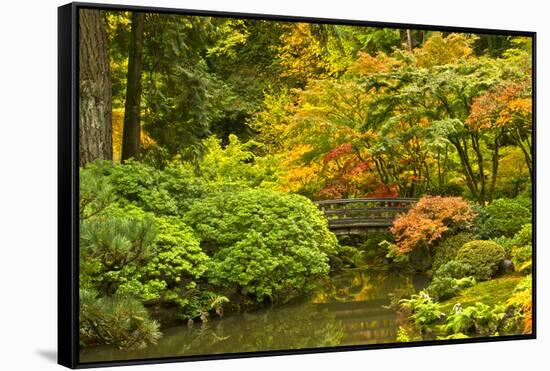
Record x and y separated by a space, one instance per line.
264 243
454 269
484 258
503 217
447 249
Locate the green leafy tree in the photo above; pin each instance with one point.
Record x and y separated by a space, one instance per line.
237 166
182 97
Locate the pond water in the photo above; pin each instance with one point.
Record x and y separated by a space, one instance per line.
347 309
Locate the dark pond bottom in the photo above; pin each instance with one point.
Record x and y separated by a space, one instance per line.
348 309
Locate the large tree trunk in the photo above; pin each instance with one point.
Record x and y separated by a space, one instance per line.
132 120
95 89
409 40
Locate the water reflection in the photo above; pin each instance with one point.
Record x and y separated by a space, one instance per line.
346 310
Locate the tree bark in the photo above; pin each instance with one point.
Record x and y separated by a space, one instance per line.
526 148
466 167
495 160
95 132
481 169
131 133
409 40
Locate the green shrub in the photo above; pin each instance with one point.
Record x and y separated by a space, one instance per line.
264 243
119 321
348 256
507 243
449 279
447 249
522 257
522 249
454 269
525 199
524 236
96 192
158 260
443 288
169 191
424 311
373 240
484 258
479 319
235 165
371 246
173 272
393 253
503 217
113 247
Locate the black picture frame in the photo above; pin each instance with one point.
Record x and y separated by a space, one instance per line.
68 183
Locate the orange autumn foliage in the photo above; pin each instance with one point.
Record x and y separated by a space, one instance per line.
428 220
368 65
385 191
501 106
522 301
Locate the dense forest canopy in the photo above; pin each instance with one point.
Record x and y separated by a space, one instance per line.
204 141
343 111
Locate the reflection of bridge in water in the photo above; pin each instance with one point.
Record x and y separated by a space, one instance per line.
363 215
358 300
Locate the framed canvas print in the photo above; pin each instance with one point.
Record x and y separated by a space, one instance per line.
236 185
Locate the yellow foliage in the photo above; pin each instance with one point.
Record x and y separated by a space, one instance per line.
117 120
298 175
523 301
301 54
439 50
367 65
512 165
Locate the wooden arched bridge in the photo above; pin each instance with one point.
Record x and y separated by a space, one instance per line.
363 215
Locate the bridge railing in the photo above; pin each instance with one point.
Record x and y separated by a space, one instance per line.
363 214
